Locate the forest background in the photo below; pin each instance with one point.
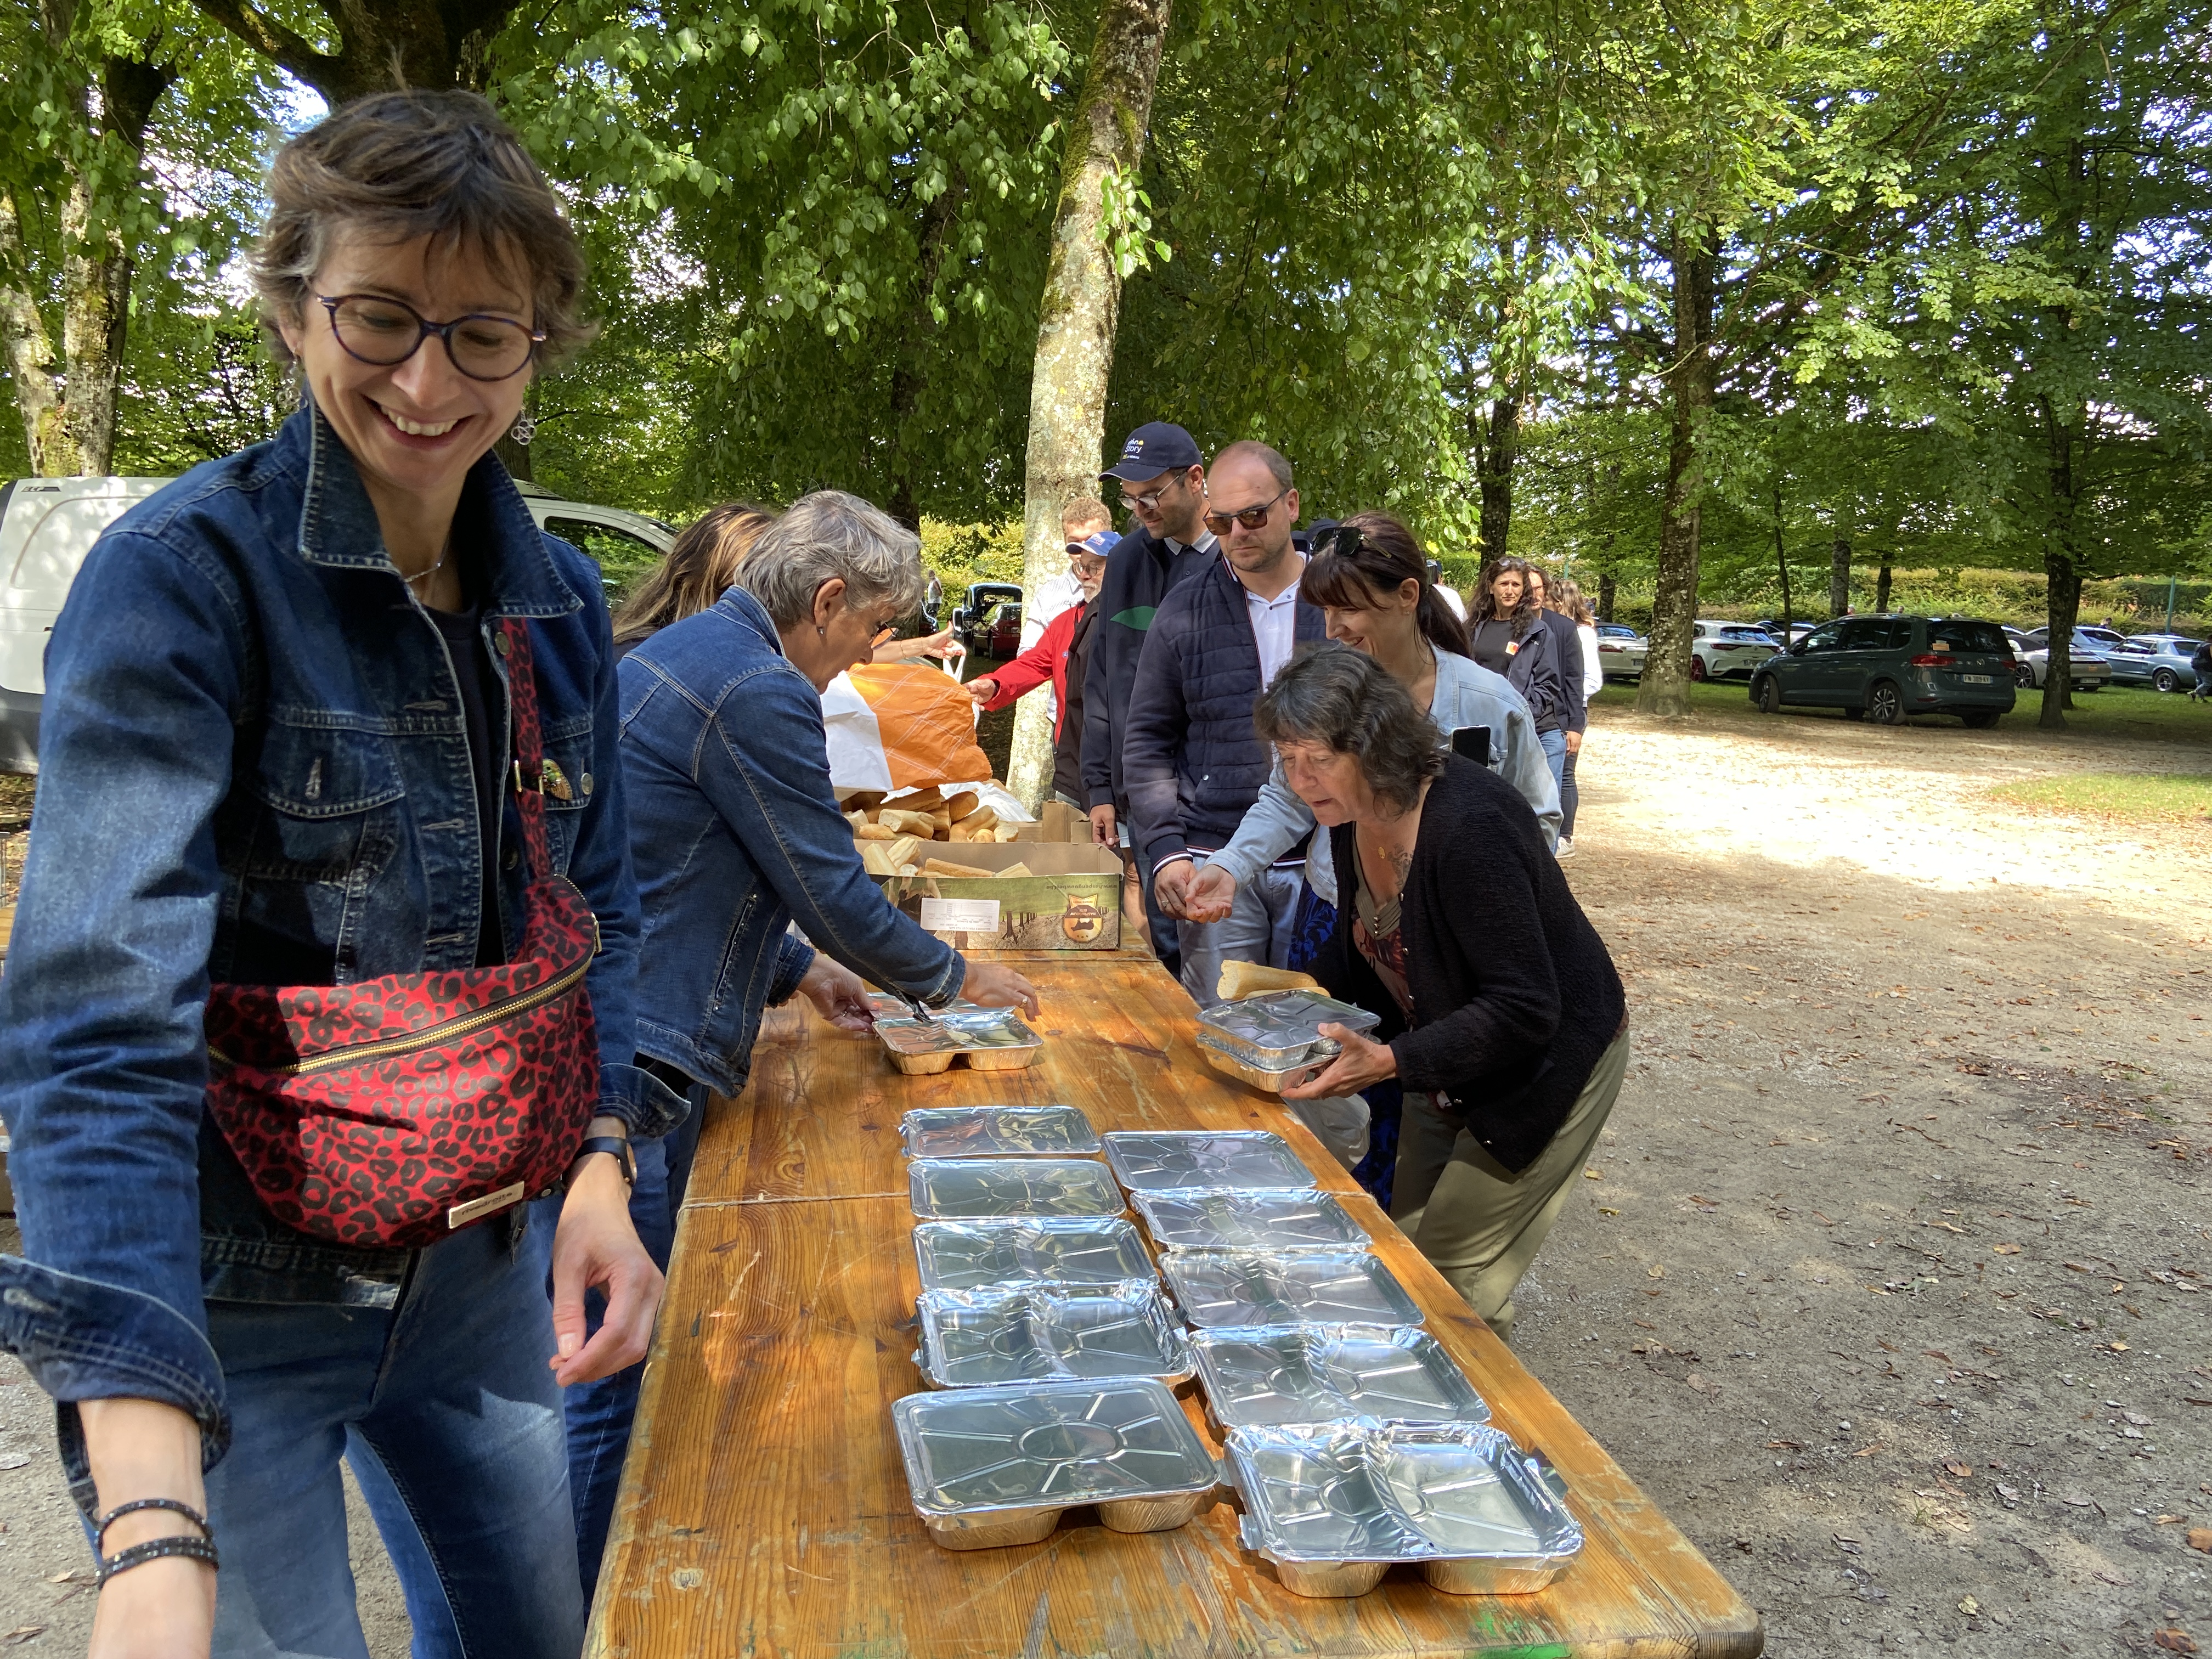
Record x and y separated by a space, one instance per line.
1752 306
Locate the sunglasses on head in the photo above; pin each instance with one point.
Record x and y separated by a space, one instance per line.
1341 539
1252 518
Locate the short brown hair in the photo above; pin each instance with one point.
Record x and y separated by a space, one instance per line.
407 164
1085 509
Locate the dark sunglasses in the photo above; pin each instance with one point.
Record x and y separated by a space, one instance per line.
1341 539
1252 518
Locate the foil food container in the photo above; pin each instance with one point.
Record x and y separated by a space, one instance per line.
987 1040
889 1004
1049 1332
1280 1028
1146 1161
998 1132
1277 1374
1236 1290
972 1188
1272 1079
990 1467
1334 1505
1275 1218
966 1255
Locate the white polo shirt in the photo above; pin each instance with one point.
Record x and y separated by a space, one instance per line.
1274 627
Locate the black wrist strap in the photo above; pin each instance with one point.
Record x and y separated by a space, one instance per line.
175 1506
617 1147
198 1549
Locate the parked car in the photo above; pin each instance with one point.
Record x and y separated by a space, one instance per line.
1622 651
1724 650
48 524
1000 633
1888 667
969 617
2160 661
1774 629
2090 667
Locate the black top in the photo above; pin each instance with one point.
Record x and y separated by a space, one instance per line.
1530 662
1514 996
1067 743
483 711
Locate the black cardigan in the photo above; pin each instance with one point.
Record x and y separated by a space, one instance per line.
1514 996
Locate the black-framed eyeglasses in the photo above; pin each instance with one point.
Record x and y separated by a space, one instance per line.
387 332
1252 518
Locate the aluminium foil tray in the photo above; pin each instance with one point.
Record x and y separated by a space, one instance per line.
1275 1373
987 1040
972 1188
1272 1219
1235 1290
1278 1029
998 1132
1045 1333
1168 1160
966 1256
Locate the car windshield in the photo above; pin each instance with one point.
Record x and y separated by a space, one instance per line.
1967 636
1756 635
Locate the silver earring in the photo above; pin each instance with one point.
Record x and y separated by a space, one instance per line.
524 430
823 632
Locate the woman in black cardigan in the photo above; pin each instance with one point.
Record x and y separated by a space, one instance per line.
1502 1018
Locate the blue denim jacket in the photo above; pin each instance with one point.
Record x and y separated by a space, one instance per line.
253 751
726 772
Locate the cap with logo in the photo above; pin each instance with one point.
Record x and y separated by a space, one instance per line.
1155 448
1100 542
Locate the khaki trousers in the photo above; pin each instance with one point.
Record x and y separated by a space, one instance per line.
1479 1224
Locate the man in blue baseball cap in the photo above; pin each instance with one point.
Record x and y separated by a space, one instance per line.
1162 477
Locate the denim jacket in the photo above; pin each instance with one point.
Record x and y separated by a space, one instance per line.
726 772
1466 694
253 751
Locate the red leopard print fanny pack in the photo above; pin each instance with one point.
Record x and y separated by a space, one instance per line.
394 1111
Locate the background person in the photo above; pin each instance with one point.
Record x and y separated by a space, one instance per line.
1162 479
1502 1018
276 736
1567 598
1192 765
1506 634
1081 517
737 834
698 570
1049 662
1567 654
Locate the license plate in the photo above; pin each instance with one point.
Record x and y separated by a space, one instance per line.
1979 679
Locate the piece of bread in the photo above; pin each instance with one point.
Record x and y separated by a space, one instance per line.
874 832
907 823
958 832
1016 870
945 867
1239 980
909 869
1006 832
905 850
875 858
977 814
962 804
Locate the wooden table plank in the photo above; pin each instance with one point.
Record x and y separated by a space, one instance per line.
764 1508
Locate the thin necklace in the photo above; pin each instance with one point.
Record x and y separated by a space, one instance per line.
437 565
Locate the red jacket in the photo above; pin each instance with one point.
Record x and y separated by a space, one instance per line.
1045 660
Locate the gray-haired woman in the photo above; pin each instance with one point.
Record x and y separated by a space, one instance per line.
736 834
1502 1018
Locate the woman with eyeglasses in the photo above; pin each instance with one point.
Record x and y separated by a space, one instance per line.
326 956
1507 634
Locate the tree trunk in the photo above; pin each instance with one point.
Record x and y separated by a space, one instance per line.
1077 319
29 349
1497 445
1782 563
382 43
1665 687
1839 576
2061 561
1881 587
1604 597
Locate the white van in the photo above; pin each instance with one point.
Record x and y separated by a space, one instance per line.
48 524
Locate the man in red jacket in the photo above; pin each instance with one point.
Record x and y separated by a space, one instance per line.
1066 635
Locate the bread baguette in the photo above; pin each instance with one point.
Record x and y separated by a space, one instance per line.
876 859
962 804
945 867
909 823
1239 980
905 850
874 832
1016 870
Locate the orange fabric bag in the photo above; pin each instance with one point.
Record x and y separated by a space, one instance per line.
927 722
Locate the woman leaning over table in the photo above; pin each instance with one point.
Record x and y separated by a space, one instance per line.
1503 1019
737 835
276 753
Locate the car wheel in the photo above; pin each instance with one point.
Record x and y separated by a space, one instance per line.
1697 669
2166 680
1886 703
1981 720
2023 677
1767 694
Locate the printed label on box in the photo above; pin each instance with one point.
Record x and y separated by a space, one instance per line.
940 915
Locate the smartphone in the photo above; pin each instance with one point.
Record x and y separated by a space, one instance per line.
1472 741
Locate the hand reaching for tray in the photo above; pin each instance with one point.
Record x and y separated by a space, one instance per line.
837 995
1361 1065
994 985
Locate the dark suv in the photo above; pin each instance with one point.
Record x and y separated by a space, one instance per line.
1892 666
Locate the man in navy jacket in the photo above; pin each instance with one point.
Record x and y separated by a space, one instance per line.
1162 478
1192 763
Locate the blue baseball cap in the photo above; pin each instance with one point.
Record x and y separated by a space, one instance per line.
1100 542
1155 448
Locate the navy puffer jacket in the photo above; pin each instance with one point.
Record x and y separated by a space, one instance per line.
1190 759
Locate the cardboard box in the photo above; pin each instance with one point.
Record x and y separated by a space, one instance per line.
1071 899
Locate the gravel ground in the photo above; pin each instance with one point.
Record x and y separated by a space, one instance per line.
1886 1282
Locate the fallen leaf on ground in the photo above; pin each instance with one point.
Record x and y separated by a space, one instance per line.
2199 1538
1654 1271
1954 1466
1592 1175
1969 1607
2005 1249
1697 1380
2173 1641
22 1633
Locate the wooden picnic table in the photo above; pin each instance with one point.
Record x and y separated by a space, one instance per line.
764 1508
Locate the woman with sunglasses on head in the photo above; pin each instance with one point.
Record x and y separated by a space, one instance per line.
1507 633
697 571
326 950
1563 601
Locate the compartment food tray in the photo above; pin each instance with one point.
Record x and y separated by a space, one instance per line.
987 1040
966 1255
1036 1333
967 1188
1280 1028
1273 1374
1150 1161
990 1467
1236 1290
998 1132
1272 1219
1334 1505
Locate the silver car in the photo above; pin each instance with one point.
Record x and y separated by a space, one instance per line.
1622 651
1726 650
2161 661
2090 668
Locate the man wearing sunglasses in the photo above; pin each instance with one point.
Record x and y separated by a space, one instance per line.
1162 477
1192 763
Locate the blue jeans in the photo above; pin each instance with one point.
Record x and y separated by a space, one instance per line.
1259 928
1555 756
599 1413
447 1410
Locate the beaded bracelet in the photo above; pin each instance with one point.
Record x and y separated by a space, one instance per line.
198 1549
